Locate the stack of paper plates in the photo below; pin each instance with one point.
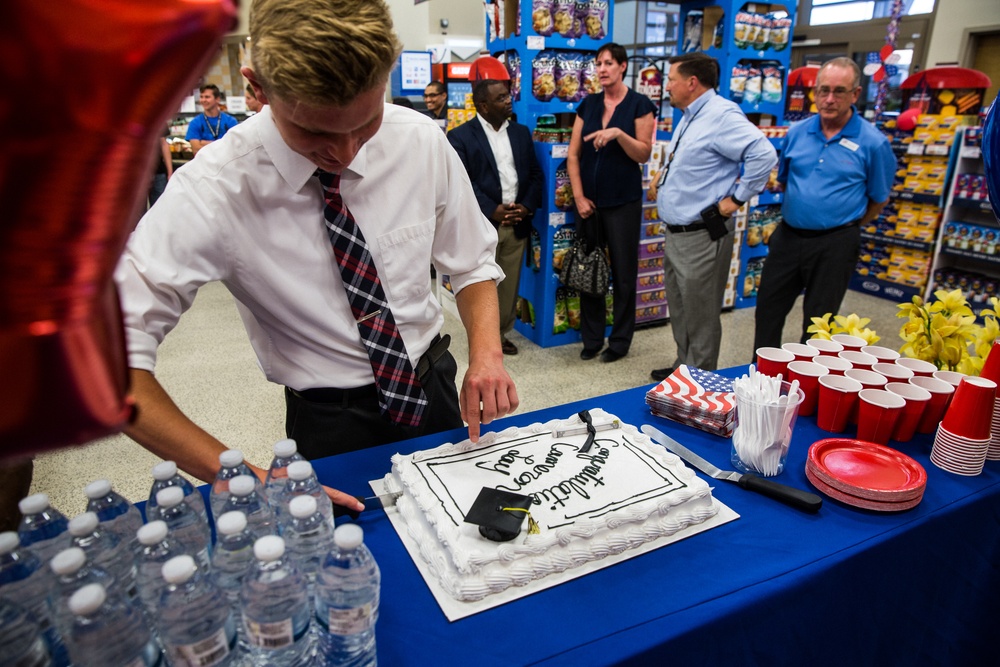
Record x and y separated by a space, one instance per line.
864 474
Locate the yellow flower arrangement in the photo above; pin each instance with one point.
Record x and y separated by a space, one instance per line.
850 324
944 332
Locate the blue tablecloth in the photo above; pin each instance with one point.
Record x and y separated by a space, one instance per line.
775 587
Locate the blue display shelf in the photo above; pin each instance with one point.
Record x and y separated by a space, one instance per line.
884 289
903 243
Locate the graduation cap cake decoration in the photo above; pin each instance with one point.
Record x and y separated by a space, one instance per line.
499 514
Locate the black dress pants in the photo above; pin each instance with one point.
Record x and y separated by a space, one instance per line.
327 427
820 264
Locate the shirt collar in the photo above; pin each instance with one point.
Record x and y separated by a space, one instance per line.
851 129
489 127
296 169
696 106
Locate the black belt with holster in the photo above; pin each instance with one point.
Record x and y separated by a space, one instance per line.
814 233
334 395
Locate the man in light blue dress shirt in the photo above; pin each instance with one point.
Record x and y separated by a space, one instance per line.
699 190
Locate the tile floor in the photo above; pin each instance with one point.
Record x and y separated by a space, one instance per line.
208 367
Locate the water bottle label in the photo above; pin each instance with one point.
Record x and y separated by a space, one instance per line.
207 652
276 634
351 621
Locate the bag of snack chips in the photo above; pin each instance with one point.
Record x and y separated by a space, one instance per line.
513 63
771 88
564 21
563 196
763 31
692 32
588 75
543 76
742 29
594 15
541 17
569 74
751 91
560 322
737 82
780 29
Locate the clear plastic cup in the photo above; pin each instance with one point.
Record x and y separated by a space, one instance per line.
764 431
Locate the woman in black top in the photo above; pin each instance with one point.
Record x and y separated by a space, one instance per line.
612 138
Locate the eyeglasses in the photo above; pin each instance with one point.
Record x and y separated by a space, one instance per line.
824 91
426 95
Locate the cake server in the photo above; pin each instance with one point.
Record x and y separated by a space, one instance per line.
378 502
803 500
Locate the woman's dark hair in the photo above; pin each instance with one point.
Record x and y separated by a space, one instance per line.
616 51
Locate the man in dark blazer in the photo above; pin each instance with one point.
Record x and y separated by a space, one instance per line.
499 155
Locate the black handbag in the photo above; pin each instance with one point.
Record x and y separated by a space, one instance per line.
586 271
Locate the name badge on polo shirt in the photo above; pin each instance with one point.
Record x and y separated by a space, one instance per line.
848 144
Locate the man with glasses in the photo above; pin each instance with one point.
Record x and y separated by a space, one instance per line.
436 99
500 157
837 170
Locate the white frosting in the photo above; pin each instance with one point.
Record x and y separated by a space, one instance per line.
624 492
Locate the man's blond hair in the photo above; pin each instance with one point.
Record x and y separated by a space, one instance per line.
322 52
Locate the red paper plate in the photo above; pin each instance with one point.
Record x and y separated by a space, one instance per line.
867 470
863 503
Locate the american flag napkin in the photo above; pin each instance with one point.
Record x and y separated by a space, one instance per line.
695 397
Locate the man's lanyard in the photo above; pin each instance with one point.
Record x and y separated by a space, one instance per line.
677 144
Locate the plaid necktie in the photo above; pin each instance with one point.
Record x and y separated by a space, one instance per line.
401 397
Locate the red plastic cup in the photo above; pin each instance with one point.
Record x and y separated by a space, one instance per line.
971 411
881 353
773 361
869 380
954 378
808 375
918 366
878 412
836 365
916 401
849 342
838 396
941 393
859 359
991 367
827 348
894 372
801 351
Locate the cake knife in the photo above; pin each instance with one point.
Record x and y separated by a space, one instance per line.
803 500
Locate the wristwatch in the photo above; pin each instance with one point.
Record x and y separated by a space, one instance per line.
738 202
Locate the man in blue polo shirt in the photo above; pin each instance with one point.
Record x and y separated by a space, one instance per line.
837 170
213 124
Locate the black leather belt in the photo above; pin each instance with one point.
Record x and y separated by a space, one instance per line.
335 395
693 227
813 233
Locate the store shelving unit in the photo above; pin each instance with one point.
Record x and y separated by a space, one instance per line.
967 252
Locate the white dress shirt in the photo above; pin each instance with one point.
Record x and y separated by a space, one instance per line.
504 156
248 211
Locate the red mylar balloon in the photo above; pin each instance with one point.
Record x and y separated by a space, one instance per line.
88 87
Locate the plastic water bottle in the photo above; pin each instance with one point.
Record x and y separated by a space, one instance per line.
106 631
276 608
72 572
246 496
117 515
104 549
302 481
43 528
156 547
285 452
21 638
347 596
165 475
308 536
185 525
232 559
25 582
196 626
232 465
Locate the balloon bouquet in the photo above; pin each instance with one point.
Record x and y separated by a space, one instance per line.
88 86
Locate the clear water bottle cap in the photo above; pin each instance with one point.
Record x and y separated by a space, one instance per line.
152 533
179 569
231 523
231 458
99 488
300 470
269 548
87 600
33 504
285 448
170 496
8 542
83 524
68 561
348 536
164 471
241 485
302 507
